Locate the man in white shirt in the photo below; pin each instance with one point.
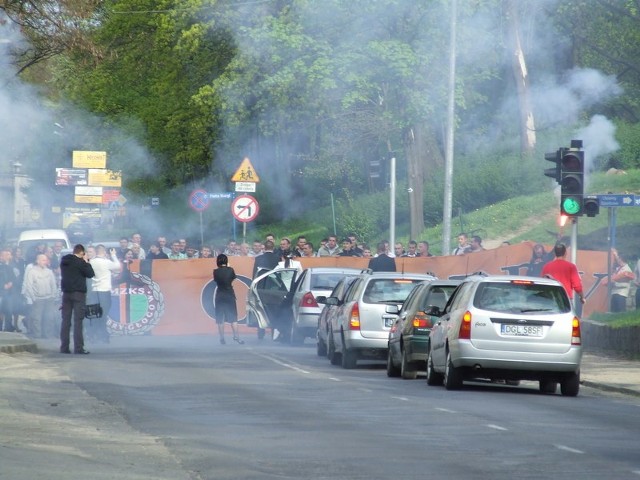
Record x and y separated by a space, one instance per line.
40 290
100 292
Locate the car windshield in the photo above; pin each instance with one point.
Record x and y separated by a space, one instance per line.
325 281
521 297
388 290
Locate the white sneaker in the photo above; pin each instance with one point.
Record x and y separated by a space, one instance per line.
276 333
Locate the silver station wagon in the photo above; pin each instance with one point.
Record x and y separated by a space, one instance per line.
507 328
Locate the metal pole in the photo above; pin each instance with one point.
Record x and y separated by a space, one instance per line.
448 173
574 239
201 230
392 203
333 214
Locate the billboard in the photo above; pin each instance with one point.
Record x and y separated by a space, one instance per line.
71 176
99 177
85 159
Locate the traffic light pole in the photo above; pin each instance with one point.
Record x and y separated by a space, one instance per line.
574 239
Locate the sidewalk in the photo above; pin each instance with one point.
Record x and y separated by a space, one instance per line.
598 370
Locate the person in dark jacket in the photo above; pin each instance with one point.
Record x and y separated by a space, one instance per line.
74 271
225 298
382 262
267 261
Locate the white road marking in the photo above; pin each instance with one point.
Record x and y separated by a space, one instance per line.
496 427
446 410
401 398
637 472
284 364
568 449
335 379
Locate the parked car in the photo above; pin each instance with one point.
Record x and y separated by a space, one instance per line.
327 313
507 328
286 299
80 232
409 335
360 328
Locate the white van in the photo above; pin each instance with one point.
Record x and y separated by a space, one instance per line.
30 239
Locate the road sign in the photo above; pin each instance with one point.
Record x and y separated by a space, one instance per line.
245 186
245 173
199 200
245 208
618 200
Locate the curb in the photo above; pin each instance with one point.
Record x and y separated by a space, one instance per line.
19 347
610 388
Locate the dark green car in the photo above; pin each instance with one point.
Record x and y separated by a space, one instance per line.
409 334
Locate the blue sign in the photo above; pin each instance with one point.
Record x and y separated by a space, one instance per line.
617 200
199 200
228 195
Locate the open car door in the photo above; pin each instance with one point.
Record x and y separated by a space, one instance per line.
270 298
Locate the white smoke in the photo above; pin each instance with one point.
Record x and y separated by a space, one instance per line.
598 139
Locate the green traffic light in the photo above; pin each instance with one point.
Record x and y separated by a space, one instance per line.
570 206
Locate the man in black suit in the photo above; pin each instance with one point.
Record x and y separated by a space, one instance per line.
267 261
382 262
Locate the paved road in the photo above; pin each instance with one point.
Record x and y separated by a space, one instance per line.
176 408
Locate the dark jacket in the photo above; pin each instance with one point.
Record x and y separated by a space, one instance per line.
382 263
224 277
74 272
266 261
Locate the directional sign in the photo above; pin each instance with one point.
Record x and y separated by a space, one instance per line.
246 172
617 200
218 195
199 200
245 208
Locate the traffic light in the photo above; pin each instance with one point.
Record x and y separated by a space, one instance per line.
555 171
591 205
572 182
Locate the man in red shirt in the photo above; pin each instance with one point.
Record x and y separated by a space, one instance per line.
564 271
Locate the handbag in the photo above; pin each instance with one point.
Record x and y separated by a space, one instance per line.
93 311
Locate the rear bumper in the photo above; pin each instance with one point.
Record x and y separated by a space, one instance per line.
307 320
354 340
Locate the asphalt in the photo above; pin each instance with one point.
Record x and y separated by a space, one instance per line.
599 370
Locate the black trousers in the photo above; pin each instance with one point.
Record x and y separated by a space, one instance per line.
73 303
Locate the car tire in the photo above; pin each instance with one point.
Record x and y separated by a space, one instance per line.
433 377
349 357
407 368
548 386
334 357
297 338
570 385
452 375
392 370
321 348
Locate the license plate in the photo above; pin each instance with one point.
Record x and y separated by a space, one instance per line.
521 330
388 322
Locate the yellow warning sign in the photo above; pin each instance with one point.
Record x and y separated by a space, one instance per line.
245 173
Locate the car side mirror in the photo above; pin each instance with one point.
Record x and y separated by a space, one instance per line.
392 309
321 299
331 301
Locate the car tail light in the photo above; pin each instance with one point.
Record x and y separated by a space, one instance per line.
421 320
308 300
465 326
354 319
575 332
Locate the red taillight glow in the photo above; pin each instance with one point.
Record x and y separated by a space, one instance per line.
465 326
575 332
308 300
421 321
354 320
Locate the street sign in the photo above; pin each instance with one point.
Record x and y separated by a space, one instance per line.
618 200
245 172
245 186
199 200
219 195
245 208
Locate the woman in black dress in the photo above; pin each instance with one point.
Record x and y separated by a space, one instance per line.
225 298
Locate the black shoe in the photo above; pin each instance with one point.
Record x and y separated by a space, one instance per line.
62 350
241 342
222 342
81 352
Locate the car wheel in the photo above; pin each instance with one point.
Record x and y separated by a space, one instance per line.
392 370
297 338
548 386
433 377
570 385
321 348
452 375
407 368
334 357
349 357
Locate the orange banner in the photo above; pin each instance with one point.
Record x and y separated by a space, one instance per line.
178 294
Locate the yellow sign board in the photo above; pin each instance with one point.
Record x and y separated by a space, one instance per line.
245 173
104 178
87 198
82 159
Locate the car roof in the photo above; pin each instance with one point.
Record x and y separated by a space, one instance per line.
412 276
511 278
334 270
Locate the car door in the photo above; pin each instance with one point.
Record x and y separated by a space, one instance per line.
441 330
270 295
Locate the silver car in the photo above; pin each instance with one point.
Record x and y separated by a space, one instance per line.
507 328
360 327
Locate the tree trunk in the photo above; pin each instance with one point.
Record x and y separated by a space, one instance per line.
520 74
415 176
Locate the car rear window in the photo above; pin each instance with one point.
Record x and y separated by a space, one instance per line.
325 281
388 290
521 297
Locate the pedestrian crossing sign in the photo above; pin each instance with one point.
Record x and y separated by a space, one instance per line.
245 173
